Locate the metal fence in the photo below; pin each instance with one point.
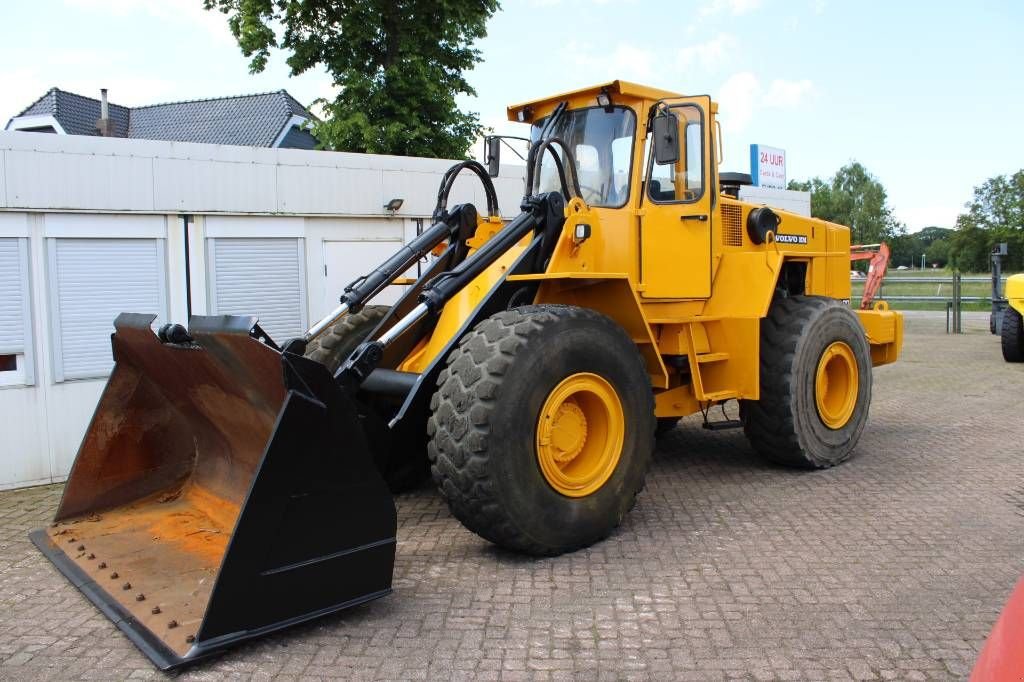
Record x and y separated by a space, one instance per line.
951 281
953 302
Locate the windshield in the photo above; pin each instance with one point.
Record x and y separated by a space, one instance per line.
602 143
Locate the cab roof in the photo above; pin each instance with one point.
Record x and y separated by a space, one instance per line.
616 87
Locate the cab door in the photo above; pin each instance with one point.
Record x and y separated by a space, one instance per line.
675 222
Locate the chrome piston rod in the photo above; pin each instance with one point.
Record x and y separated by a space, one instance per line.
322 326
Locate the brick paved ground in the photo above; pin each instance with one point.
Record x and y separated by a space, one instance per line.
892 566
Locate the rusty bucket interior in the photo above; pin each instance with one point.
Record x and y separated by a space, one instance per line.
187 436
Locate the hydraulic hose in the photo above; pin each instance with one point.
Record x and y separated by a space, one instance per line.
458 224
538 214
448 181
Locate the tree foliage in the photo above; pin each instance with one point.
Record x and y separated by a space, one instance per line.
907 249
994 215
937 253
398 64
855 198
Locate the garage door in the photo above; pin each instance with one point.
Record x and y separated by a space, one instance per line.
264 277
92 281
347 260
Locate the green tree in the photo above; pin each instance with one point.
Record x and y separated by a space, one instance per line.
995 214
398 66
937 253
927 235
855 198
907 248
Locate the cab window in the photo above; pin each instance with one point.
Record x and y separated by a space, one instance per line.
602 142
682 181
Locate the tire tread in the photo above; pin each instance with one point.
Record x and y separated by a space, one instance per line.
1012 336
463 408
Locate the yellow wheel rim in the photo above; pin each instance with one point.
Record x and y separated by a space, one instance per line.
580 431
836 384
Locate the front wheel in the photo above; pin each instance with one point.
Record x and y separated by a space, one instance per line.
334 346
1012 336
542 428
815 384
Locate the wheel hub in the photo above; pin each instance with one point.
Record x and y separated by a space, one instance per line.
567 432
836 385
580 432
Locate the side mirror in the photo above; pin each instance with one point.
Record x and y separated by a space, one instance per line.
493 156
666 138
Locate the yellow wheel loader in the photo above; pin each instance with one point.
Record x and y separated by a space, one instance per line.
229 486
1011 330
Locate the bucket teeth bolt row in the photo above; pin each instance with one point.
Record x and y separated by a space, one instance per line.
155 610
103 564
190 639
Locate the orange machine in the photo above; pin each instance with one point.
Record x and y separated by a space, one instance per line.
878 254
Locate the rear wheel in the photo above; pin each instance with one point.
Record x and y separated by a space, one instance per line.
542 428
815 384
1013 336
335 345
402 465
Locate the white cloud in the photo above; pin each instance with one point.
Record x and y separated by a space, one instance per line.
920 217
738 97
625 61
708 55
733 7
212 23
784 94
742 96
637 62
818 6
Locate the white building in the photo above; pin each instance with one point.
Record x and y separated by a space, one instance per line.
90 227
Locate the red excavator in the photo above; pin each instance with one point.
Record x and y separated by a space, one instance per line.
878 254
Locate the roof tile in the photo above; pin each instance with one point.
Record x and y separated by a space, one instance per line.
248 120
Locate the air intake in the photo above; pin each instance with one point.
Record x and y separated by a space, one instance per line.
732 225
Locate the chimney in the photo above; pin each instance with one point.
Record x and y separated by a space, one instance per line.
104 124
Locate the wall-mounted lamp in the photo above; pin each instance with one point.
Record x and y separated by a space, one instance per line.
394 205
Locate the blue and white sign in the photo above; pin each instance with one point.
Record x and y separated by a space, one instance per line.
768 166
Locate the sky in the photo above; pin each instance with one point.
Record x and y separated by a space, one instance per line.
929 96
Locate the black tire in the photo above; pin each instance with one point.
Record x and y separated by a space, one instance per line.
1012 336
484 418
785 425
335 345
403 466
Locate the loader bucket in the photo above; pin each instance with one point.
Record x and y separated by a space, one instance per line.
223 490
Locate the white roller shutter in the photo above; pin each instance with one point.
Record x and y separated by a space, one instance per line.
261 277
94 280
13 298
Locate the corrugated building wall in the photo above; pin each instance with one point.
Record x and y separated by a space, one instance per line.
93 226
